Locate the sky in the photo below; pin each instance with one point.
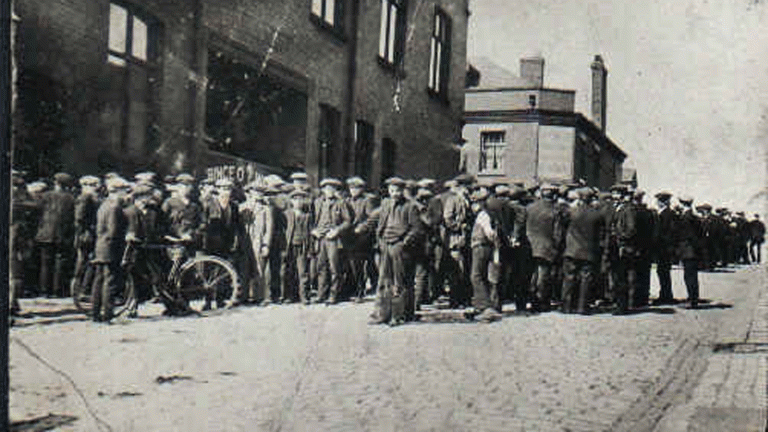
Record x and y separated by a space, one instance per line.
687 82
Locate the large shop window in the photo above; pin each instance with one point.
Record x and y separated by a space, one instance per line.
440 54
132 57
392 32
492 147
254 115
363 149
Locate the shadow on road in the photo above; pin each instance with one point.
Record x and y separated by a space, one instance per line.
44 423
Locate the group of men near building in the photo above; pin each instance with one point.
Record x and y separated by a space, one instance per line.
473 245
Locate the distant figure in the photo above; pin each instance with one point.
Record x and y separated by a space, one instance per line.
55 236
756 239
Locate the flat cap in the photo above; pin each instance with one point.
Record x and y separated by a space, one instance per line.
424 193
663 195
619 187
516 192
273 180
355 182
502 190
117 183
185 178
62 178
450 184
396 181
142 190
329 181
426 183
89 180
464 179
685 199
145 177
224 182
639 193
480 194
299 176
704 206
36 187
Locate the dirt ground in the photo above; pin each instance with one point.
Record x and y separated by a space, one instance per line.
311 368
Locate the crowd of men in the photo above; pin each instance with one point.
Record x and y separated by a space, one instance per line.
473 245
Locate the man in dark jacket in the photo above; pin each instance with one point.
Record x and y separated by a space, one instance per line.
582 252
298 241
399 233
333 218
624 265
756 238
86 206
111 227
360 242
644 241
688 249
665 246
540 229
143 220
55 236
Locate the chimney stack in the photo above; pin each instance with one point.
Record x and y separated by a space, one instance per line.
599 92
532 70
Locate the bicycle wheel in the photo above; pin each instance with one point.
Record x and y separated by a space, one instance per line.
205 281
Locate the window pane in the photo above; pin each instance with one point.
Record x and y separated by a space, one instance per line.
317 7
115 60
432 64
439 60
393 13
438 18
139 39
330 6
118 21
383 29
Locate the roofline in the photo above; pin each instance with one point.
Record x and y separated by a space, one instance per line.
501 89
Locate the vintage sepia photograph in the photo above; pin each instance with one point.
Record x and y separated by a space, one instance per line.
384 215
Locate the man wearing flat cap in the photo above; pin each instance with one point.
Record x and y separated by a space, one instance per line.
21 234
540 230
111 229
221 227
333 219
428 283
55 236
624 250
398 232
457 218
665 245
360 239
689 249
86 206
756 238
582 252
144 227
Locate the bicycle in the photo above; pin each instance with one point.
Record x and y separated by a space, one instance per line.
190 285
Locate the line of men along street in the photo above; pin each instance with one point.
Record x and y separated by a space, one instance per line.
474 246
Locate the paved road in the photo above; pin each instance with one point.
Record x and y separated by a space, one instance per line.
309 368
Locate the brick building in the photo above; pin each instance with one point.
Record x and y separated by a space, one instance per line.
335 87
517 129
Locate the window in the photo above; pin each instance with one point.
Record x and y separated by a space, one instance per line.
440 56
492 152
363 149
392 32
130 37
329 12
387 159
327 137
130 110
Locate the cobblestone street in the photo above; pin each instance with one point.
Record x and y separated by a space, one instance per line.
309 368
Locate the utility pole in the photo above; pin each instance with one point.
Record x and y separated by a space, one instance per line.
6 58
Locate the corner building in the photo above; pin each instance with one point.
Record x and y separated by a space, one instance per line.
235 88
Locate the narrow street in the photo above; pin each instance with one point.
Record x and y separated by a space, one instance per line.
309 368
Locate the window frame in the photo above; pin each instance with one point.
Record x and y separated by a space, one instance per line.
364 141
337 26
498 151
391 53
152 38
440 70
